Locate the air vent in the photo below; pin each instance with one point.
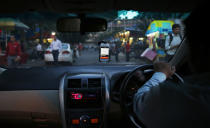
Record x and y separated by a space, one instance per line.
74 83
94 82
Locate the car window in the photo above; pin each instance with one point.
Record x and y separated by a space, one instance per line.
64 46
134 38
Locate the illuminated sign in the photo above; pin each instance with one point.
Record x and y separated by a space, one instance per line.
127 14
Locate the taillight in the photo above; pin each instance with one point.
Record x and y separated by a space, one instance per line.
48 52
65 52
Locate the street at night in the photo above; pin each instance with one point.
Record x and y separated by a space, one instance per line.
88 57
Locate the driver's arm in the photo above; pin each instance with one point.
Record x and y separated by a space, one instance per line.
155 80
162 71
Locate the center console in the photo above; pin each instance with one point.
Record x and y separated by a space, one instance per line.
84 100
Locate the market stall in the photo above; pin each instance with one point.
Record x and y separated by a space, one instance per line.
6 26
156 34
9 24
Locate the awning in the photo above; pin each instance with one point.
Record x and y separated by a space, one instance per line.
11 24
161 26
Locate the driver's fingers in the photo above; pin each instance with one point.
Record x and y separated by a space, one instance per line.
173 70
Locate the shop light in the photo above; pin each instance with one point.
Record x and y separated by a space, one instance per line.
141 38
53 33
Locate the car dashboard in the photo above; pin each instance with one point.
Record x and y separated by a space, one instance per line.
76 96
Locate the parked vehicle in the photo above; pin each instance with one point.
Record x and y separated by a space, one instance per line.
65 55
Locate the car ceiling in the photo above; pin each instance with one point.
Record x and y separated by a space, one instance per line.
86 6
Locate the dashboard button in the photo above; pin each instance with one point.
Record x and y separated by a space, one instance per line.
94 121
75 121
84 120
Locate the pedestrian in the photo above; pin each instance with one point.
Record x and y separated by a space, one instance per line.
24 55
161 41
137 49
117 51
39 51
56 46
21 42
173 41
80 47
13 52
112 48
127 50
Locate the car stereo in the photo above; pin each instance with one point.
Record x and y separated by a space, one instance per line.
85 98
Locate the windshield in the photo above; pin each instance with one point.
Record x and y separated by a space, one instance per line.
132 38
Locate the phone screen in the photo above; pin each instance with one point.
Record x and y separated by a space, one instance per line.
104 51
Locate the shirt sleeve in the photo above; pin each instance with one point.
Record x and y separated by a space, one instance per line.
167 43
155 80
37 47
51 46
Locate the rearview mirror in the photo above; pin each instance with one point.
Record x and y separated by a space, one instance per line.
73 24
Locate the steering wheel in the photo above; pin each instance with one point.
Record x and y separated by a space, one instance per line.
126 102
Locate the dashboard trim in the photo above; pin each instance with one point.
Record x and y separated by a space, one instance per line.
61 99
107 96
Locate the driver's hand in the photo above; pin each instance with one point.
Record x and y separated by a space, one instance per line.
165 68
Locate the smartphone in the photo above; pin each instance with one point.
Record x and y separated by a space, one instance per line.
104 54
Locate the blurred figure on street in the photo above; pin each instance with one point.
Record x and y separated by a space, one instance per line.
21 42
80 48
117 51
56 46
127 50
75 52
137 48
24 55
173 41
39 51
13 52
161 41
112 48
